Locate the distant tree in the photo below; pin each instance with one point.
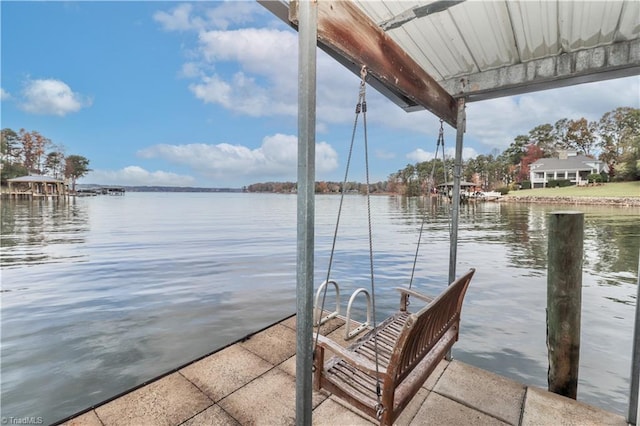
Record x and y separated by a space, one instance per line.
560 130
76 166
515 151
544 138
322 187
533 153
9 147
581 135
408 173
54 164
619 141
12 170
28 154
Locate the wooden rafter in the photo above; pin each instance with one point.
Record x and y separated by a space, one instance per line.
347 31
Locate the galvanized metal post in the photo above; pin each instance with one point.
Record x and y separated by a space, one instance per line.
307 39
634 393
564 300
455 207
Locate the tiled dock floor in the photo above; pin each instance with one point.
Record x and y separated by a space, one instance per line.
253 383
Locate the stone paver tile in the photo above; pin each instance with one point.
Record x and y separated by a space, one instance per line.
268 400
87 419
413 407
289 366
337 336
432 380
274 344
168 401
325 328
485 391
546 408
330 326
332 413
439 410
224 372
213 415
290 322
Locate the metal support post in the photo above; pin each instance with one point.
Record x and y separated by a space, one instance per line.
455 206
634 393
307 40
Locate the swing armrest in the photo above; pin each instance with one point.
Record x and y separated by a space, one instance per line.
351 357
404 297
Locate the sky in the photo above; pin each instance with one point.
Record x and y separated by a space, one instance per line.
205 94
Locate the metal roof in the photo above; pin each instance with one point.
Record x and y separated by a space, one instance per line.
36 178
577 162
487 49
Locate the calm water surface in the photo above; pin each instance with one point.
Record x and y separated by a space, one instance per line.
100 294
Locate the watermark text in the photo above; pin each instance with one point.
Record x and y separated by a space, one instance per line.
27 420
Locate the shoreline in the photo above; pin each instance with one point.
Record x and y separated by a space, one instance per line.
604 201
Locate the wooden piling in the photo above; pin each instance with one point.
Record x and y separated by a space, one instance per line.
564 300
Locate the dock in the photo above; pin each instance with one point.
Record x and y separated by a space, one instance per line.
252 382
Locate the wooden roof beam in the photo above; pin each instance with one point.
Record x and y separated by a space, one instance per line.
347 31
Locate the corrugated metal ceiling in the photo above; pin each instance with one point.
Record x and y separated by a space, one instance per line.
476 36
485 49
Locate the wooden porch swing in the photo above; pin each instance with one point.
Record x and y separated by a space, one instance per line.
383 370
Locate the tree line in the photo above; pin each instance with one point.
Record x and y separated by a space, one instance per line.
614 139
26 153
321 187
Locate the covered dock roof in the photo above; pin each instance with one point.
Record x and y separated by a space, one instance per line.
438 55
422 54
35 179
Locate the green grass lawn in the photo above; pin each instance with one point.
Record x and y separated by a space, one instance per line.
612 189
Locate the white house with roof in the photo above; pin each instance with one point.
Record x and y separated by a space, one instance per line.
569 165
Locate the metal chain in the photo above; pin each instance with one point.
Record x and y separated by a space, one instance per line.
429 188
361 107
361 94
363 75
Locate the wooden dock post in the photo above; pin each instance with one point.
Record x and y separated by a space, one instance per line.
564 300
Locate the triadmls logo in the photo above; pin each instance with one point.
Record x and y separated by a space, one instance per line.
28 420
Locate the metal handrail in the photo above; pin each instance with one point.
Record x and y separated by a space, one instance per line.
317 310
350 334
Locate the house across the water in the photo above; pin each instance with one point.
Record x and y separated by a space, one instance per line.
569 166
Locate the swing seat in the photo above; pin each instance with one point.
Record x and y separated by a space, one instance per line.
409 347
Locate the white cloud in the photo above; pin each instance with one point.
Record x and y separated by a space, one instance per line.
419 155
4 95
233 12
183 17
241 94
179 19
265 80
276 157
190 70
467 153
51 97
137 176
256 70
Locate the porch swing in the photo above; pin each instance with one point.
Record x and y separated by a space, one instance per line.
382 370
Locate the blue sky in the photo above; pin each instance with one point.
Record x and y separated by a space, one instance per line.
205 93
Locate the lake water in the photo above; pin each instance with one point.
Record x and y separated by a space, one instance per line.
100 294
